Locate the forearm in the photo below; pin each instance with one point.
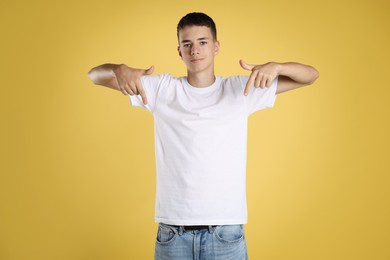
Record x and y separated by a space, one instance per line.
300 73
121 77
104 75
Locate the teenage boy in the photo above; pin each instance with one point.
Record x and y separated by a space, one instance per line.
200 140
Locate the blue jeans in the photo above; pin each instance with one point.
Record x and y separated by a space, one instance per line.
214 243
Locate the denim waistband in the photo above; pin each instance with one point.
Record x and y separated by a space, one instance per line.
182 229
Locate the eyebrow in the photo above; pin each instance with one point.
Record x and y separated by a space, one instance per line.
199 39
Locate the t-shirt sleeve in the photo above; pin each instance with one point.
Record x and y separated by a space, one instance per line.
151 85
259 98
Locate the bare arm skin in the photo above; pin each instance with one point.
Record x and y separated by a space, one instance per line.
120 77
292 75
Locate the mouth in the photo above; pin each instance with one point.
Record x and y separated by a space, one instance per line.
196 60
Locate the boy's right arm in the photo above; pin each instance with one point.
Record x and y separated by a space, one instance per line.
120 77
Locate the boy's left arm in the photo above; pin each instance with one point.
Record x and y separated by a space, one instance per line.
291 75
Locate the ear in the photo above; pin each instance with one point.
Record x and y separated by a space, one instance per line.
216 47
178 50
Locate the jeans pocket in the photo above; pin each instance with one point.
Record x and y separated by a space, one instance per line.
230 233
165 235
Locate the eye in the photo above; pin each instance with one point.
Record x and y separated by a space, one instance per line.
203 43
186 45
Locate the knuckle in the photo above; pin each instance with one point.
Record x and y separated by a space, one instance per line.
133 88
141 90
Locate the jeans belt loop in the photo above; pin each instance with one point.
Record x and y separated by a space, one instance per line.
181 230
211 229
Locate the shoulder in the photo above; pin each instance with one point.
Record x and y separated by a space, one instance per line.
161 80
157 77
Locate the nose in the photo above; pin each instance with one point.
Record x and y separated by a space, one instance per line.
194 50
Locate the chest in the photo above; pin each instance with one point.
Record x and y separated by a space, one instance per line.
219 107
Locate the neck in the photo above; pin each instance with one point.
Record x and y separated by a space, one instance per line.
201 79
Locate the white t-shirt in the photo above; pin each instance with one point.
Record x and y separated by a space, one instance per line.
201 143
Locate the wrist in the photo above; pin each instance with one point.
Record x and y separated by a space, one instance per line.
280 67
118 67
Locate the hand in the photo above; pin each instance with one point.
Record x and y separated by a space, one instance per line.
129 80
261 76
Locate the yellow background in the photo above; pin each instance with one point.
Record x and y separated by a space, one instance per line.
77 162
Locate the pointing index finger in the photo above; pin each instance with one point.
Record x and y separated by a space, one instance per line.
141 92
249 83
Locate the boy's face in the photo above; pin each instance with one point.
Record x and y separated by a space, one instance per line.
197 48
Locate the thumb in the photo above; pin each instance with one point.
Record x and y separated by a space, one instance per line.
246 66
149 71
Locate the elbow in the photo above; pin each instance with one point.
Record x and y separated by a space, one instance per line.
314 75
92 75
